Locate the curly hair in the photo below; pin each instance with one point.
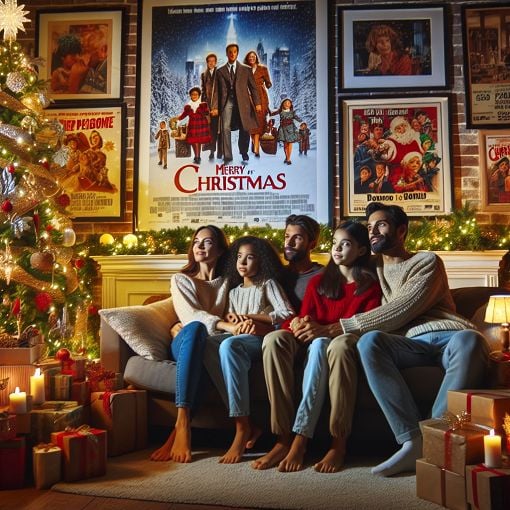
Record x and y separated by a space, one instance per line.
257 61
331 279
270 266
383 31
68 44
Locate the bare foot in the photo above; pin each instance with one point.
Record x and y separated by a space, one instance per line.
333 461
256 432
273 457
181 449
238 446
164 452
294 459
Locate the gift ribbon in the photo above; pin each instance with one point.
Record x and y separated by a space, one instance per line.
470 395
46 446
474 477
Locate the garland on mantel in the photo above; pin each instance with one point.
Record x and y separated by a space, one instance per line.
458 231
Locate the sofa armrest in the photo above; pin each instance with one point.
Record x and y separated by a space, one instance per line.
114 352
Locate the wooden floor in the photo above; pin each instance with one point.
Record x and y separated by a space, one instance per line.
34 499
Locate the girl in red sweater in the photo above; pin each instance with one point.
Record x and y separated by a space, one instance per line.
344 288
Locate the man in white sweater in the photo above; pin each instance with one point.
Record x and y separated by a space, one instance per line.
416 325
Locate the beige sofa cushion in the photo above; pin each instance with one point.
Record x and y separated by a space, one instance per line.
145 328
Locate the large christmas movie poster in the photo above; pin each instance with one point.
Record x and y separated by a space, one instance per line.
187 173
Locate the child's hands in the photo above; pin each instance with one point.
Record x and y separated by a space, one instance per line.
245 327
295 323
235 318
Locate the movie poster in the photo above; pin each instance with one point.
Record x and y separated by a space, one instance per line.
497 165
275 168
397 152
93 174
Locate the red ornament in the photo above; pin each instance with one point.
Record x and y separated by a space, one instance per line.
49 228
16 307
64 200
42 301
93 310
6 206
11 169
79 263
63 355
46 164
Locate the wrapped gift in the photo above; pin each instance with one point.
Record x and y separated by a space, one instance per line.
80 392
440 486
47 464
7 426
20 355
450 447
124 415
61 387
103 380
53 416
49 385
80 363
83 452
12 463
488 488
486 407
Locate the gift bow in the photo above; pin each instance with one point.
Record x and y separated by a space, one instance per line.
82 430
46 446
456 421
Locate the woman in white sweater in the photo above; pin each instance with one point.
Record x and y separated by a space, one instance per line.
199 295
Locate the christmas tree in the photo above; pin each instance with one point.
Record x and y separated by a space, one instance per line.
44 281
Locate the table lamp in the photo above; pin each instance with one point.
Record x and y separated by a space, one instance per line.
498 312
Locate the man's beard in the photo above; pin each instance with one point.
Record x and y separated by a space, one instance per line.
292 255
383 243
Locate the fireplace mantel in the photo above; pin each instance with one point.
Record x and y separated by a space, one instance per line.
130 279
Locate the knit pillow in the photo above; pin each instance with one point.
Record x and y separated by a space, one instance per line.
145 328
489 331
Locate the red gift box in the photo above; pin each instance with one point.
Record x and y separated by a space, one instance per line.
83 452
12 463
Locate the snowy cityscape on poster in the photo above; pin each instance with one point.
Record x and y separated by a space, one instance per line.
178 186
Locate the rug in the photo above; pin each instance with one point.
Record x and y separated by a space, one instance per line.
205 481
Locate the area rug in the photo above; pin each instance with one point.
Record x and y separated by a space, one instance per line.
205 481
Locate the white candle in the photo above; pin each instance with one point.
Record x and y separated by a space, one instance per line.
37 386
492 450
18 402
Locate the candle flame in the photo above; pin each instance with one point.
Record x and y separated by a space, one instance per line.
37 372
491 433
17 390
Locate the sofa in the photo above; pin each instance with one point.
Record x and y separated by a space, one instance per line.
135 342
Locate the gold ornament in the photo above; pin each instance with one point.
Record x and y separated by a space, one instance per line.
42 261
106 239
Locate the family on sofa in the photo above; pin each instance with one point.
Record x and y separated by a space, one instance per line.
235 306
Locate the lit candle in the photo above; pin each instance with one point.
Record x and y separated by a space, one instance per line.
37 386
492 450
18 402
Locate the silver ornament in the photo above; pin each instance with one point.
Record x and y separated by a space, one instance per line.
44 100
61 157
16 81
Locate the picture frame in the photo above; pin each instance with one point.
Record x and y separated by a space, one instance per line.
494 165
92 171
291 38
82 53
486 65
396 151
412 53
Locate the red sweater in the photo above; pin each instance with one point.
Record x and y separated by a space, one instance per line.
324 310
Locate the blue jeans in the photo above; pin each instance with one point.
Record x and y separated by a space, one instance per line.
187 350
315 386
462 354
236 356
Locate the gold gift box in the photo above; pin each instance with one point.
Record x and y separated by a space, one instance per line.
488 488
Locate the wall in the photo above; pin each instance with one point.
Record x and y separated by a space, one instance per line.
464 142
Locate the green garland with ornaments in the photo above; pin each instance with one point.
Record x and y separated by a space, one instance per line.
458 231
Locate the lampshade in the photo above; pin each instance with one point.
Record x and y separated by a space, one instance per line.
498 310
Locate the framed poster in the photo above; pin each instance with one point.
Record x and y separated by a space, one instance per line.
83 54
494 170
231 177
396 151
93 175
487 65
394 47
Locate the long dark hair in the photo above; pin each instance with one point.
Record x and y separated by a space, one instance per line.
331 280
270 265
192 267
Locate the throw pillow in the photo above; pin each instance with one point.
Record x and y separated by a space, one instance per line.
145 328
489 331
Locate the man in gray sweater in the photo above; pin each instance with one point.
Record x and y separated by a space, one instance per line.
416 325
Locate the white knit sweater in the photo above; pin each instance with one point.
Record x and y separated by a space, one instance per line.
199 300
416 300
268 298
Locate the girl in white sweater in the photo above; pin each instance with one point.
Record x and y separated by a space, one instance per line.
257 304
199 294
